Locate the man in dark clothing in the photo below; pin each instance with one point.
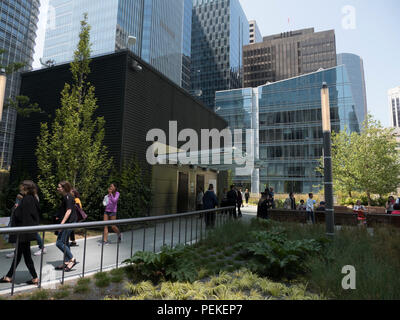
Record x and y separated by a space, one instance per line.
210 201
233 200
239 201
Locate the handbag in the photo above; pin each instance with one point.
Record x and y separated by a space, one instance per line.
105 200
82 216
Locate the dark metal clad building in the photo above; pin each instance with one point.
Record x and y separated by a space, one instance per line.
132 103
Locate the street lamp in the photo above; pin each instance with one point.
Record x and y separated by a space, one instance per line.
3 80
328 184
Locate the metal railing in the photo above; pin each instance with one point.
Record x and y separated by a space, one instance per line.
219 217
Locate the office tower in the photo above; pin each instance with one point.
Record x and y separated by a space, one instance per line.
394 107
220 29
187 45
255 34
286 55
18 27
289 127
355 70
158 25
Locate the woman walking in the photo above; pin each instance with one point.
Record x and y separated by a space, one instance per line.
66 214
78 203
26 214
111 212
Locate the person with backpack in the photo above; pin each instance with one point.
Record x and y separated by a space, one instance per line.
66 214
78 203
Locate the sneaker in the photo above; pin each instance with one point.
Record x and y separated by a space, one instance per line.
73 244
106 243
10 255
39 252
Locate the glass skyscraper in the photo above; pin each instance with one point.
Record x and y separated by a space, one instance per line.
220 30
355 69
158 26
289 127
18 25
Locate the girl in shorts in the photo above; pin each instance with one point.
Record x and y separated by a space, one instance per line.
111 212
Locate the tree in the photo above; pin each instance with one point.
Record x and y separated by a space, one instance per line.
73 148
367 161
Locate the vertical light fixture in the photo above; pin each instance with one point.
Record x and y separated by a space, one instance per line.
3 80
328 183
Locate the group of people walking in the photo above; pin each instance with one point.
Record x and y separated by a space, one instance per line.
232 198
26 213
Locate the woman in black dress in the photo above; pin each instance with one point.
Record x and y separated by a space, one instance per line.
25 215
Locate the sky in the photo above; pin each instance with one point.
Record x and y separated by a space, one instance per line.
368 28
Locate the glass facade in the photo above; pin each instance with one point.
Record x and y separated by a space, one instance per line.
158 26
290 127
355 69
163 36
18 25
220 29
187 45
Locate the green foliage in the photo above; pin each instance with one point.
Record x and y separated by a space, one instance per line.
23 106
82 286
367 162
72 149
135 192
270 253
13 67
169 264
102 280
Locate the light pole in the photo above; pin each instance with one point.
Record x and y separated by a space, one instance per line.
3 80
328 184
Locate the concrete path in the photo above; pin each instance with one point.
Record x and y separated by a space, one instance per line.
154 237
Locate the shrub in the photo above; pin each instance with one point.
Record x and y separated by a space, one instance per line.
169 264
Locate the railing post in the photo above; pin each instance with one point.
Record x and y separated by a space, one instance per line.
84 254
172 234
132 242
102 249
41 262
144 238
155 235
65 248
179 236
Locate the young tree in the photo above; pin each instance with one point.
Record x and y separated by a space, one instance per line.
73 149
377 165
367 161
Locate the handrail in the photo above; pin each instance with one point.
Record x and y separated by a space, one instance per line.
87 225
228 211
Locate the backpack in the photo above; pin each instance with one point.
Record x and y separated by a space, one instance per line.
81 215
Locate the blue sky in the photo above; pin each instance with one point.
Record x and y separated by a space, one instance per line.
375 36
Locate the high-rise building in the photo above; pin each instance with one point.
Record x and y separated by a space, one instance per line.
159 26
255 34
286 55
355 69
394 106
288 130
187 45
220 29
18 25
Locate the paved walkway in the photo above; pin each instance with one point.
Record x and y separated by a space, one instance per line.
190 230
